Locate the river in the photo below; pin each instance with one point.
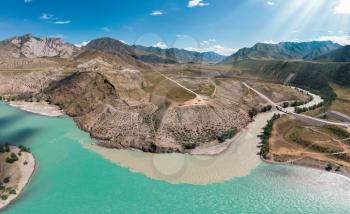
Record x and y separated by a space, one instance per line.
72 178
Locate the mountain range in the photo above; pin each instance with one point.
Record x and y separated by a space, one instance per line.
339 55
29 46
284 51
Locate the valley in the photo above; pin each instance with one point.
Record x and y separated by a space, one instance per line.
150 108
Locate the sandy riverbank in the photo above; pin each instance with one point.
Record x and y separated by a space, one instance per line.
40 108
18 172
236 161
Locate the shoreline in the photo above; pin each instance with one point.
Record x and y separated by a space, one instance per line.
40 108
344 173
27 172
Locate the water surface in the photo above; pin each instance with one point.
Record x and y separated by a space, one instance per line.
73 179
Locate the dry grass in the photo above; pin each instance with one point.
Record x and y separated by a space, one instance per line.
342 102
293 140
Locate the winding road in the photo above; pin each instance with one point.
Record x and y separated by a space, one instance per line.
298 116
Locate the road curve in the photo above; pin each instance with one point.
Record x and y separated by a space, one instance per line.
325 122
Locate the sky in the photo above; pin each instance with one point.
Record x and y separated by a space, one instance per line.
222 26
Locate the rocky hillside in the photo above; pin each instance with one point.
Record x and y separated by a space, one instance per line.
115 110
284 51
153 55
174 55
340 55
28 46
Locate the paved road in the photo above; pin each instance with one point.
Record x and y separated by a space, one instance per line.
290 112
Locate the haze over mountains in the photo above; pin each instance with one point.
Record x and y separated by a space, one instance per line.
29 46
339 55
284 51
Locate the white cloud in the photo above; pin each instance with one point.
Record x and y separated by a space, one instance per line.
161 45
342 40
157 13
271 3
270 42
53 19
214 48
208 42
63 22
82 44
181 36
343 7
197 3
106 29
28 1
47 16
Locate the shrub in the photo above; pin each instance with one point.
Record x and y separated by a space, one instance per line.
190 145
6 180
285 105
4 197
253 112
13 158
24 149
13 192
227 135
329 167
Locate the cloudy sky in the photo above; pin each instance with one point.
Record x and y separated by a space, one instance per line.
203 25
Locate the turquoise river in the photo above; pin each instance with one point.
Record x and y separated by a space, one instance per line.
73 179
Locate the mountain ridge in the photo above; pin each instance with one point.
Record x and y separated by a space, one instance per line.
284 51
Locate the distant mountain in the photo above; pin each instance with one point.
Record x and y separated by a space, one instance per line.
284 51
28 46
110 45
180 55
340 55
153 54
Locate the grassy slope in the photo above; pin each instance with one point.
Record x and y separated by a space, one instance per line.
314 76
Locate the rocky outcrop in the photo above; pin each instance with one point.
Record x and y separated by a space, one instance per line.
28 46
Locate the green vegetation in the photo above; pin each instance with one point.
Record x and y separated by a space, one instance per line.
60 105
253 112
265 136
13 158
266 108
6 180
190 146
13 192
341 133
305 109
4 148
24 149
342 76
4 197
329 167
227 135
285 105
297 103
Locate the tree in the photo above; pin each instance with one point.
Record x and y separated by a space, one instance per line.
253 112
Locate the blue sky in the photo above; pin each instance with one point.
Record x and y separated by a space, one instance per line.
219 25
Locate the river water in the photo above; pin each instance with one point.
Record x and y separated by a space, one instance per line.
74 179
